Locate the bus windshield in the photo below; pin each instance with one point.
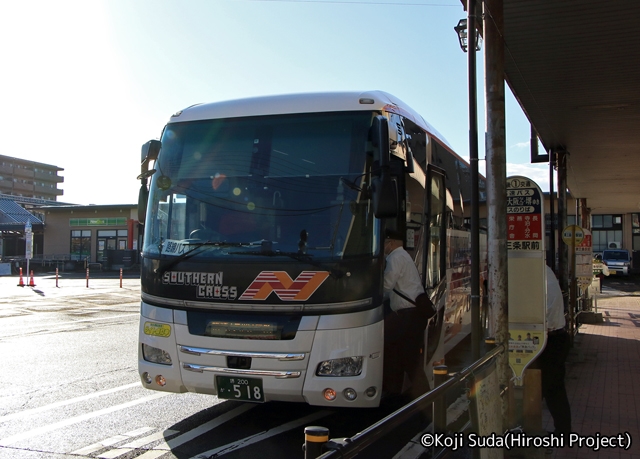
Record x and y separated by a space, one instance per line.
271 185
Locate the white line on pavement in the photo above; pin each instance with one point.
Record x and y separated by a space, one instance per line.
262 436
67 422
54 327
82 398
206 427
85 451
151 454
140 442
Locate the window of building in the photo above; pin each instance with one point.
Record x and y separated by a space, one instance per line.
571 220
80 244
606 231
110 240
635 230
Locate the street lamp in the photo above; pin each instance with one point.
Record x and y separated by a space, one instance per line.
461 30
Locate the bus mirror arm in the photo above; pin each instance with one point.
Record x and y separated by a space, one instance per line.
409 169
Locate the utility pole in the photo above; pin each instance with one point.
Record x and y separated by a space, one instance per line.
497 186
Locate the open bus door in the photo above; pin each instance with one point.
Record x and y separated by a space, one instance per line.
435 273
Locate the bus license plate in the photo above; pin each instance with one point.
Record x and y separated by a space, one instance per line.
238 388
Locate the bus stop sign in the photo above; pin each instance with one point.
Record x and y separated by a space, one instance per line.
573 235
527 273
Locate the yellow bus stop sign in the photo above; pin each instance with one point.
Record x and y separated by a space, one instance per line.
571 232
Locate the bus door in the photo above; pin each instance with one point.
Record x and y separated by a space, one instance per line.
435 253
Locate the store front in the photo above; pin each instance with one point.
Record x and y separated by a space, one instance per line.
103 235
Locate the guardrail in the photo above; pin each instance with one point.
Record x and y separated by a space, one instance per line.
45 263
318 445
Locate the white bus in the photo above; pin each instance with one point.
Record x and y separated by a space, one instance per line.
262 258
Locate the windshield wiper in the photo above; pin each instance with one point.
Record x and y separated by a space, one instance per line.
194 251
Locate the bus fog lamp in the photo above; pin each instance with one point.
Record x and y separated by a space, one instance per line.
329 394
146 378
160 381
350 394
370 391
155 355
348 366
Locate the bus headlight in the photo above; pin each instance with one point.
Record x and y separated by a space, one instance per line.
347 366
155 355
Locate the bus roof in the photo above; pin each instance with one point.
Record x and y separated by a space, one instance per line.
305 103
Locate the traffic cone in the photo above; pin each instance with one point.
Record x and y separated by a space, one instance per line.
21 283
31 283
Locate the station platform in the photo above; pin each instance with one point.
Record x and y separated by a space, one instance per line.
603 374
602 381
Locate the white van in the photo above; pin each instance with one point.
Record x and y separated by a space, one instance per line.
617 260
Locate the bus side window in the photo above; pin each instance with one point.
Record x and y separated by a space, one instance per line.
436 244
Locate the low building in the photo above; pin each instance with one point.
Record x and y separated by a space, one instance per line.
98 234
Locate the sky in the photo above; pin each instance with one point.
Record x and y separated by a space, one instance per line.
86 82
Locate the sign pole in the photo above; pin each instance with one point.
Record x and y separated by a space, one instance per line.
573 235
28 240
572 290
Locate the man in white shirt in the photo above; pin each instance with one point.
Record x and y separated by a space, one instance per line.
404 339
400 274
552 359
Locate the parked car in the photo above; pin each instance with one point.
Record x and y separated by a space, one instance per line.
617 260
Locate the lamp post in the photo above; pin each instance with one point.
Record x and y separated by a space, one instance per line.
462 29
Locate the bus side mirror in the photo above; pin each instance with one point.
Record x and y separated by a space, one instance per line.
384 196
380 141
143 199
149 152
384 188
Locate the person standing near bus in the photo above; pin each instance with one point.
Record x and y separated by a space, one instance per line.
552 359
403 337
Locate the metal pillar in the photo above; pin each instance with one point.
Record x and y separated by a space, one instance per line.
440 376
585 214
497 186
563 251
476 326
552 235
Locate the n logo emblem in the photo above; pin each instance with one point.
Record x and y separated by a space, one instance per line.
286 288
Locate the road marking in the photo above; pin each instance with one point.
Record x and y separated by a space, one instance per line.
62 326
222 450
140 442
19 414
204 428
127 447
72 322
151 454
112 454
67 422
